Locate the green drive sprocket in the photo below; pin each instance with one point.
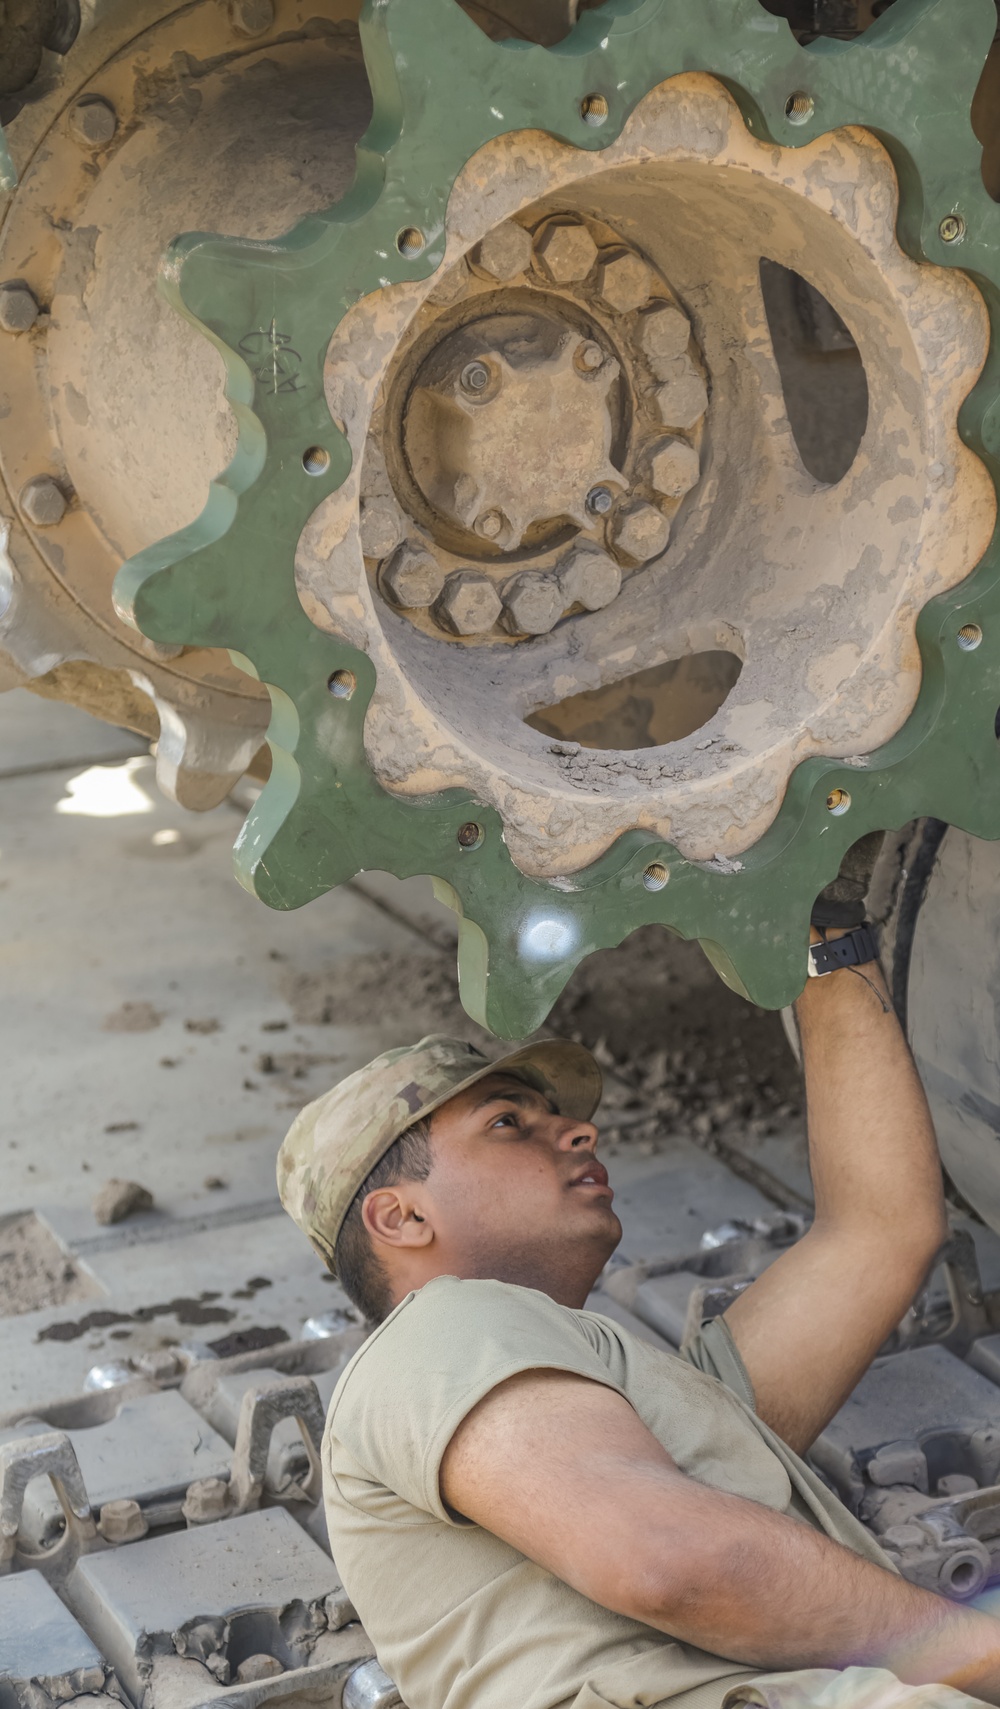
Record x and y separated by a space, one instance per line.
442 90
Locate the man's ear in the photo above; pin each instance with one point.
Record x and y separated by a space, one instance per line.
392 1218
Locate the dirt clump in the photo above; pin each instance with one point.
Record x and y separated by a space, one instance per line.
35 1271
117 1199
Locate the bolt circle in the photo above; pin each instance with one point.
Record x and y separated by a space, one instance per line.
952 228
969 637
599 500
590 356
474 378
93 122
838 802
470 835
342 684
656 876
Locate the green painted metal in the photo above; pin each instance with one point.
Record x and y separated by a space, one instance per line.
441 89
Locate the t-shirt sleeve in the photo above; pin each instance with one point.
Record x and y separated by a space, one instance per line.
714 1351
425 1369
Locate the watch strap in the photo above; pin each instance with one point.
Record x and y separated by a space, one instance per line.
854 949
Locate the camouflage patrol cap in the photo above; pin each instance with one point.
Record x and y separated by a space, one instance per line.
335 1142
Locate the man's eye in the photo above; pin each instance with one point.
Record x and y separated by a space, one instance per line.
508 1119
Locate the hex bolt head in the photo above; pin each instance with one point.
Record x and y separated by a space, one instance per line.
532 603
684 398
18 307
413 578
93 121
566 253
251 17
674 467
491 524
469 604
42 502
207 1499
380 526
588 577
639 532
599 501
590 356
624 283
664 335
122 1521
505 251
474 378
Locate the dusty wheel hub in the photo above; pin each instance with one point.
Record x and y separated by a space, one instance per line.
547 430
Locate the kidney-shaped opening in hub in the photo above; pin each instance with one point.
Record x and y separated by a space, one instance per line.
646 710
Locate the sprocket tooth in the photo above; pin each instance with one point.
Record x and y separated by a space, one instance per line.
198 761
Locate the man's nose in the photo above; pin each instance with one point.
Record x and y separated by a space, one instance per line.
578 1136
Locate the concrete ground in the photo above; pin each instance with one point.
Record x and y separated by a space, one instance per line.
162 1026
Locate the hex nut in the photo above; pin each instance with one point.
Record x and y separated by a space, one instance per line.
412 578
93 121
18 307
381 527
588 577
566 253
674 467
664 334
505 251
684 398
532 603
469 604
639 532
251 17
207 1499
42 502
624 283
122 1521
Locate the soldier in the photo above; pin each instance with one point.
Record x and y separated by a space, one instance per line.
533 1509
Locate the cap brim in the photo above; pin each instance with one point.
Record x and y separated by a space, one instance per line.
569 1069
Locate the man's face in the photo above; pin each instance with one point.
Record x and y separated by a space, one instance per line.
515 1191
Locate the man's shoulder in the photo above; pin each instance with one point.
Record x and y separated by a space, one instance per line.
451 1324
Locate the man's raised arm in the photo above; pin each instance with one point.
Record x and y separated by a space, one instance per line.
810 1326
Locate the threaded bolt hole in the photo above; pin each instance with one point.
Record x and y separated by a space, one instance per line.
655 876
837 802
962 1574
470 835
952 228
411 242
342 684
969 637
799 108
594 109
315 461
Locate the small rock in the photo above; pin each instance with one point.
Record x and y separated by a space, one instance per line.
117 1200
258 1667
211 1025
214 1183
132 1018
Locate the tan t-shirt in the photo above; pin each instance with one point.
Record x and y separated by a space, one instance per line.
460 1619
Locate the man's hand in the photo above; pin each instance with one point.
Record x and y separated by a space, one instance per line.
810 1326
563 1470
